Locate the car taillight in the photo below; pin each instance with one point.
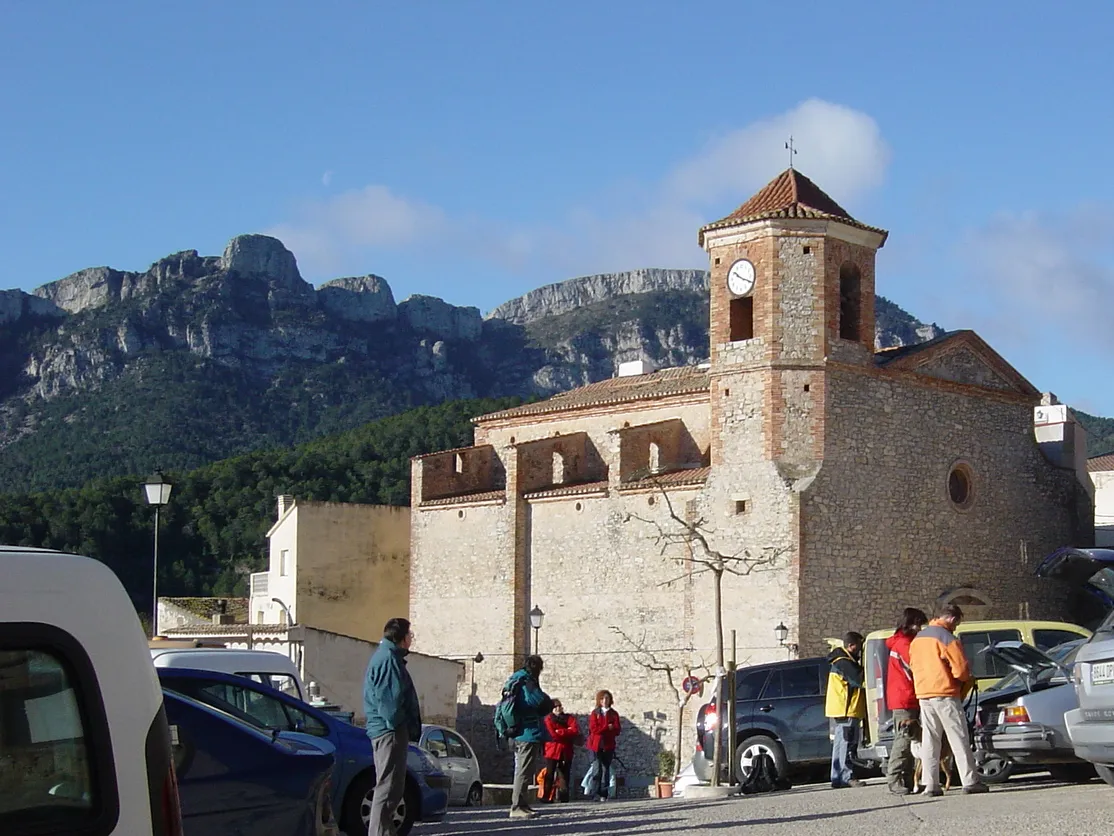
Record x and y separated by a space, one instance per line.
1015 714
711 719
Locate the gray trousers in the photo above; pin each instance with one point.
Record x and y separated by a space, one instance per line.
944 717
390 780
899 766
525 766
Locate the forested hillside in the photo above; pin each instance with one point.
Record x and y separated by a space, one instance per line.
212 532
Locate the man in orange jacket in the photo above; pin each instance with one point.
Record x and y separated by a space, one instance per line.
941 677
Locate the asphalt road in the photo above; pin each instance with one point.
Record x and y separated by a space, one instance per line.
1024 806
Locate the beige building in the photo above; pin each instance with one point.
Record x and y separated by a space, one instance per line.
1101 469
876 479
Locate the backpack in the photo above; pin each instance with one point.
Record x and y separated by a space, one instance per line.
763 777
508 720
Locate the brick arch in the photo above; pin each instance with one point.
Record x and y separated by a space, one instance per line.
975 603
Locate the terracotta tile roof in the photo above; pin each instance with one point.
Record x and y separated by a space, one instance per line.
789 195
446 452
484 496
888 355
1100 464
217 629
673 479
666 383
206 608
568 490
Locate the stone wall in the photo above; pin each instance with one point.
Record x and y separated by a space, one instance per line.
1104 508
880 530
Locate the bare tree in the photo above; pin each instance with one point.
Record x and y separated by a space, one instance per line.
694 535
646 658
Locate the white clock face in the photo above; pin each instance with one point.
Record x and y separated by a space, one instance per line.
740 278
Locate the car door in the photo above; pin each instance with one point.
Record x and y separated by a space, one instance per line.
459 765
433 741
792 706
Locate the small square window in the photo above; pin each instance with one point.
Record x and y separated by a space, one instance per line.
740 506
806 387
806 249
717 261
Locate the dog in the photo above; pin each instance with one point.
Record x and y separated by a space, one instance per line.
947 759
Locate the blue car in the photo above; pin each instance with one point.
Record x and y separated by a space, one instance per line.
426 797
234 778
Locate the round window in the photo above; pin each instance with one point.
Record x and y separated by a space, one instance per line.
961 489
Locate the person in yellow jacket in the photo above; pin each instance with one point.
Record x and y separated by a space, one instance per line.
845 704
941 678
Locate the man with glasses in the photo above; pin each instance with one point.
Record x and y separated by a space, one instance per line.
394 718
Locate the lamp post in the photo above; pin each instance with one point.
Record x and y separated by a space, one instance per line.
536 617
158 494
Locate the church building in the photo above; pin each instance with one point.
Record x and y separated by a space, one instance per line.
851 482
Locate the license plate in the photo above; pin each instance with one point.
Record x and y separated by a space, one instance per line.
1102 673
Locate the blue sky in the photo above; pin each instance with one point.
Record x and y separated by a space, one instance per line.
477 150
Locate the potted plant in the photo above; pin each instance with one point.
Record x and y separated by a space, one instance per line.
667 769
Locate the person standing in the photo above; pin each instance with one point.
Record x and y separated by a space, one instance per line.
603 728
901 700
531 704
563 730
941 677
394 718
845 705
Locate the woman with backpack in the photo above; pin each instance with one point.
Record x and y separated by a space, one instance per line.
603 728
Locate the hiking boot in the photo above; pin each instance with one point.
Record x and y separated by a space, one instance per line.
976 788
522 813
899 789
934 793
855 782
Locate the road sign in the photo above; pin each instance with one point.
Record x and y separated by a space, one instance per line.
692 685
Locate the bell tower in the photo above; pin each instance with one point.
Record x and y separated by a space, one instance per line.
792 291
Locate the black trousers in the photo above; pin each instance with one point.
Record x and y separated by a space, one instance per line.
604 759
553 768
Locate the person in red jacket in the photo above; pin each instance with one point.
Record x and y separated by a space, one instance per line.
901 699
563 731
603 728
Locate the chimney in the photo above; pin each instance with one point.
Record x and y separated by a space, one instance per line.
635 367
1062 439
285 502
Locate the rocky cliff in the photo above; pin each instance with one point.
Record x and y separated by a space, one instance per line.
200 357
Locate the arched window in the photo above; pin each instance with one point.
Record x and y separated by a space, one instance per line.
655 457
850 303
558 468
458 463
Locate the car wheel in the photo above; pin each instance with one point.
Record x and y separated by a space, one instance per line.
358 807
475 795
1106 773
750 748
993 768
1071 773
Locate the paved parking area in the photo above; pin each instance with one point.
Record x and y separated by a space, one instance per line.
1032 806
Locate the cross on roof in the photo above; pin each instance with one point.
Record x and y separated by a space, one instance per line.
789 147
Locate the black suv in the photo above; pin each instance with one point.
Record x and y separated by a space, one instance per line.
779 709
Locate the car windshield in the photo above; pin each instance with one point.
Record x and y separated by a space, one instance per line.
1064 654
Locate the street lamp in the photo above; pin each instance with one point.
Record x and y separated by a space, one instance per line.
158 494
536 618
781 633
285 609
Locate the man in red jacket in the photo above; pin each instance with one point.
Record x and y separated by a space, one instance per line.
901 699
563 731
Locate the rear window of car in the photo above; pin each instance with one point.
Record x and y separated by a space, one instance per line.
1048 639
279 681
50 777
748 684
797 681
984 666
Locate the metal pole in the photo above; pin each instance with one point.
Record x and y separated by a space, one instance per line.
155 584
733 727
536 641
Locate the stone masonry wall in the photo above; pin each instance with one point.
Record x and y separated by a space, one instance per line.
880 531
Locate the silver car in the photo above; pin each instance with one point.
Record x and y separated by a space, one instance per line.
457 760
1091 725
1020 719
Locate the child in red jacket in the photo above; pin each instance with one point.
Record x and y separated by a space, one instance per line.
563 731
901 699
603 728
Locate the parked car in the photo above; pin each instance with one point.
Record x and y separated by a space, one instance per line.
975 636
455 756
1091 726
235 778
1019 720
265 666
779 710
427 786
84 742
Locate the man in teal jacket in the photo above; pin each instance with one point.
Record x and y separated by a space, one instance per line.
530 708
394 718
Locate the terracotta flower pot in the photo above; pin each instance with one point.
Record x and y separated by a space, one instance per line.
665 789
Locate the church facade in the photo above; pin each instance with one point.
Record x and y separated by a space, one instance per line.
842 482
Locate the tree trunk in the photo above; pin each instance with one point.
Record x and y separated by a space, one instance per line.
680 730
717 756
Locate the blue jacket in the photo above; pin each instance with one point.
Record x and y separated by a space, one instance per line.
390 701
535 704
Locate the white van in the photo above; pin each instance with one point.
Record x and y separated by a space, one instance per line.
84 741
264 666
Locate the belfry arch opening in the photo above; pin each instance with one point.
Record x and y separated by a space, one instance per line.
850 303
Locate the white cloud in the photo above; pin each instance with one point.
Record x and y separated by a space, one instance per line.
327 178
654 225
